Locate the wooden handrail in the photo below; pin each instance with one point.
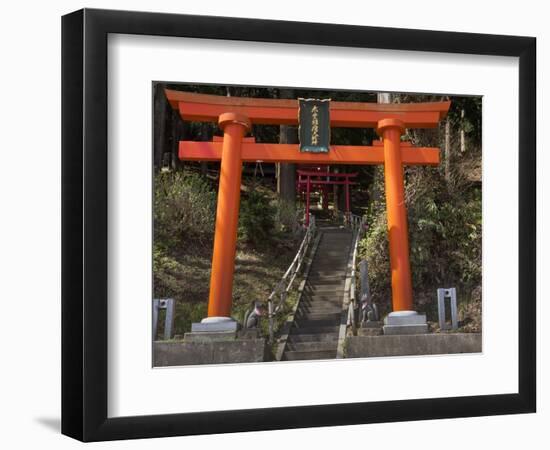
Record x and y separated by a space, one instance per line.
283 288
358 225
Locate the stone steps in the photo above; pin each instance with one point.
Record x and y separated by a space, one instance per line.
327 280
320 314
319 309
312 346
325 289
334 296
309 355
330 265
313 337
316 322
314 333
304 329
331 254
328 274
328 298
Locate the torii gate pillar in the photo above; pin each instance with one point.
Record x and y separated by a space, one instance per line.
234 128
391 130
403 319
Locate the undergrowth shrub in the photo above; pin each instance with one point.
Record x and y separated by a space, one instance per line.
444 238
184 212
256 218
184 209
286 216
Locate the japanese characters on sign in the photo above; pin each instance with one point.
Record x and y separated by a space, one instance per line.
314 125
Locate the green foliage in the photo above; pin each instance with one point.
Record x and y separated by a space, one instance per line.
444 216
471 123
445 235
256 218
374 246
286 216
184 209
184 215
188 313
444 238
165 270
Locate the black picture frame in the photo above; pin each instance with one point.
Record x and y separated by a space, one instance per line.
84 224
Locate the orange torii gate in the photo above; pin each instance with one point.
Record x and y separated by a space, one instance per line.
235 116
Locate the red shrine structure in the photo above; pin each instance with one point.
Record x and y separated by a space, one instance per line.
235 115
321 177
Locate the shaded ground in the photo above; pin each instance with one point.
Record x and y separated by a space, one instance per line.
257 271
184 214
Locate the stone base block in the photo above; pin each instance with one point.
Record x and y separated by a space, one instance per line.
369 331
221 351
371 324
405 322
417 344
215 324
250 333
405 329
205 336
370 328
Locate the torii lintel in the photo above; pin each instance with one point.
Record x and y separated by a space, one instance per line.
290 153
264 111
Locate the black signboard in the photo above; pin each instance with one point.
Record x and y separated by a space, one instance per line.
314 130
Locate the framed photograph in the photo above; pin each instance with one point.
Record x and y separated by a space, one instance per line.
273 225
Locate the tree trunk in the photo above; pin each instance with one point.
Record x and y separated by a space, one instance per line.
447 150
178 132
206 134
336 195
286 173
383 97
378 194
342 191
462 137
160 106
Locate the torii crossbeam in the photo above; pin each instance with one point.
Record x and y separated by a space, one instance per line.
235 116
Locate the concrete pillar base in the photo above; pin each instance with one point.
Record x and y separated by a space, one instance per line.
371 324
405 322
215 324
209 349
419 344
210 336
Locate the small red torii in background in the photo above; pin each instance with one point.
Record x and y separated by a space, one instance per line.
321 177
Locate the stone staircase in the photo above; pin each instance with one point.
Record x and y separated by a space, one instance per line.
314 332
